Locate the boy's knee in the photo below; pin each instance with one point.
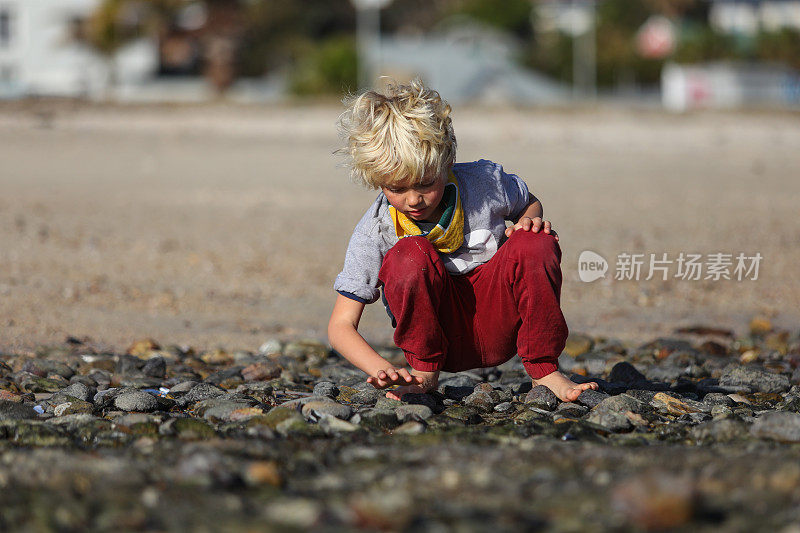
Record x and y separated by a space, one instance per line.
540 247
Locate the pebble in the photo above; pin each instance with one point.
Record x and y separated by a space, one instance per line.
753 379
781 426
136 400
326 388
77 390
413 411
331 408
16 411
590 398
542 397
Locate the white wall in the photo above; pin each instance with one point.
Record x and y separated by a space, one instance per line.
45 60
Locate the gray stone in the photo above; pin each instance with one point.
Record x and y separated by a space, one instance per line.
78 390
183 387
620 404
155 367
412 427
781 426
327 408
723 430
379 419
571 410
387 403
480 400
16 411
754 379
135 400
333 425
542 397
610 420
220 409
326 388
411 411
717 398
200 392
505 407
591 397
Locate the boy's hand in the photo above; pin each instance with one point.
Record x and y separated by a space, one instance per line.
532 224
392 376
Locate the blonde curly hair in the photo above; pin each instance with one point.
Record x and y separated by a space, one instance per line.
403 134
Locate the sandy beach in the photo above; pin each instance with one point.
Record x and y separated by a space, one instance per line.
225 226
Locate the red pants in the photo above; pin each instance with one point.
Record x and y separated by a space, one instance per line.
480 319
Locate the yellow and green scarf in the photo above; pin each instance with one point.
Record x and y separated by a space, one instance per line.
448 234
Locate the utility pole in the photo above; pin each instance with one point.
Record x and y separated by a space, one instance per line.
368 39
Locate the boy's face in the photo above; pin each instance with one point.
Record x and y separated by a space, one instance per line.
418 202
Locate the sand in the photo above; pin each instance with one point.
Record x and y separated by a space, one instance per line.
225 226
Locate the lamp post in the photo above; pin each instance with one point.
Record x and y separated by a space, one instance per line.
368 35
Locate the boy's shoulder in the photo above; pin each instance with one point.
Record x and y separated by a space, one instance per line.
375 217
481 166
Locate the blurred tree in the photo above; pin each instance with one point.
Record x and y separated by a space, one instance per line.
330 68
781 46
511 16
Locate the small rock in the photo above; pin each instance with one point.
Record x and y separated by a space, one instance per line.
753 378
610 420
412 427
16 411
760 325
262 370
578 344
591 397
200 392
542 397
781 426
155 367
719 430
382 419
717 398
673 406
480 400
78 390
135 400
626 373
334 425
505 407
329 407
411 411
326 388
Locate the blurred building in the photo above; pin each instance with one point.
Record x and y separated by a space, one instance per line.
43 52
467 63
749 16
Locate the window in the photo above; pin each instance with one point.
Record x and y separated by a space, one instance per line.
5 27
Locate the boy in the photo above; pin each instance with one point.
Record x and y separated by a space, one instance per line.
432 240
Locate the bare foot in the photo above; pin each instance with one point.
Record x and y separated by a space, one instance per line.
563 387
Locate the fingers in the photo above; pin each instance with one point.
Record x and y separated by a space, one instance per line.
404 374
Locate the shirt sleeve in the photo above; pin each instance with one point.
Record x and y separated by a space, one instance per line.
358 280
515 191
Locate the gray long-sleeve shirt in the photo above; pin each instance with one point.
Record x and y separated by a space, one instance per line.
489 197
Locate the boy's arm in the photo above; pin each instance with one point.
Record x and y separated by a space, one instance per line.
345 339
531 219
